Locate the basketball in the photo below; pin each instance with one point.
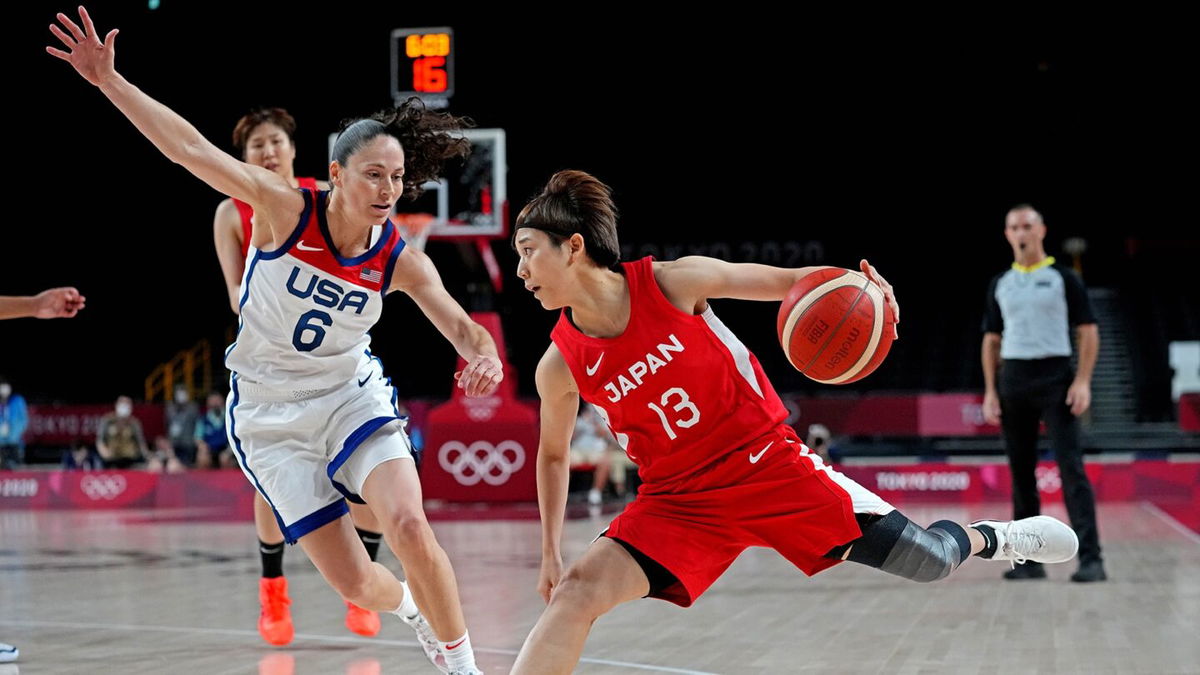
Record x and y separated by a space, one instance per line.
835 326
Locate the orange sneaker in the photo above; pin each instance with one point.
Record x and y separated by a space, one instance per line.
275 621
362 621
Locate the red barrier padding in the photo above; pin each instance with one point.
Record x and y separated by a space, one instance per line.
1189 412
65 424
1152 480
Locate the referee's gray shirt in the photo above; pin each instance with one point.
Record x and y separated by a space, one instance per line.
1034 308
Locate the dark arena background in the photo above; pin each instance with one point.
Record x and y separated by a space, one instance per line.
749 134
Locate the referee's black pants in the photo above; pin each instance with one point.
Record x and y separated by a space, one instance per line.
1031 391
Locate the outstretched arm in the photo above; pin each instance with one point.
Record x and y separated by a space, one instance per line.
690 281
175 137
417 277
55 303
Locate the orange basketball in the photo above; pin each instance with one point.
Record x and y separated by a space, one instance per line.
835 326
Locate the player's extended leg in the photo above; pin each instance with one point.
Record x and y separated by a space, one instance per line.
358 619
896 545
334 548
336 551
393 490
275 617
604 577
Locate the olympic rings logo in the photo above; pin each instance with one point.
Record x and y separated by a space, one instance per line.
1048 479
481 461
481 409
103 486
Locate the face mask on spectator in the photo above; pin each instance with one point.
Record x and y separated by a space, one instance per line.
181 396
5 390
124 409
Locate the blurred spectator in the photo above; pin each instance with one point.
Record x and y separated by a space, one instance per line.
13 420
181 417
619 466
818 441
119 437
163 458
81 457
593 444
212 445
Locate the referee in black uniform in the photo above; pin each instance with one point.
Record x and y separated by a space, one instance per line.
1027 374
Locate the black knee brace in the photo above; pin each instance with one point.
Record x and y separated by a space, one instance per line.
896 545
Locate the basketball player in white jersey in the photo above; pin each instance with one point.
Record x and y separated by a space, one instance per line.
311 418
265 138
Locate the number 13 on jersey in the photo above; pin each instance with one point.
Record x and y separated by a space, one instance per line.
682 404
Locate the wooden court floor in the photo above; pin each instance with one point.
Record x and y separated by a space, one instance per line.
158 592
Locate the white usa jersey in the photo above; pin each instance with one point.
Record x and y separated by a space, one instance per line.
305 310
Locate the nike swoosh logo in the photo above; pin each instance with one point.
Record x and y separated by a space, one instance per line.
591 370
364 380
456 644
300 245
758 455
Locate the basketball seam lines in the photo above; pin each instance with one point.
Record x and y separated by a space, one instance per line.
878 325
833 332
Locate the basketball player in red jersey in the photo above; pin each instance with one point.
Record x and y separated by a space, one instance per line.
265 137
691 406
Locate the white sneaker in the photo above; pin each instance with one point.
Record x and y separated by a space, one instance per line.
594 497
428 641
1040 539
8 653
467 671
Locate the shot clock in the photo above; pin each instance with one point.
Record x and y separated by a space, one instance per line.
423 65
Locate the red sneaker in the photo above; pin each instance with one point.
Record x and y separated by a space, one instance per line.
275 621
362 621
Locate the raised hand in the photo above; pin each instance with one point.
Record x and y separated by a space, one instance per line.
89 56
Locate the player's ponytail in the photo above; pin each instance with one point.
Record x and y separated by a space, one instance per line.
427 137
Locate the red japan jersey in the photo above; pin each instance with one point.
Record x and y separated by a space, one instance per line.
247 212
678 390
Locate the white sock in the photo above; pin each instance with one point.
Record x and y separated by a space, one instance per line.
408 606
458 652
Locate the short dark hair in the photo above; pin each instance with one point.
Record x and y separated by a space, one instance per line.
576 202
250 121
1026 206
